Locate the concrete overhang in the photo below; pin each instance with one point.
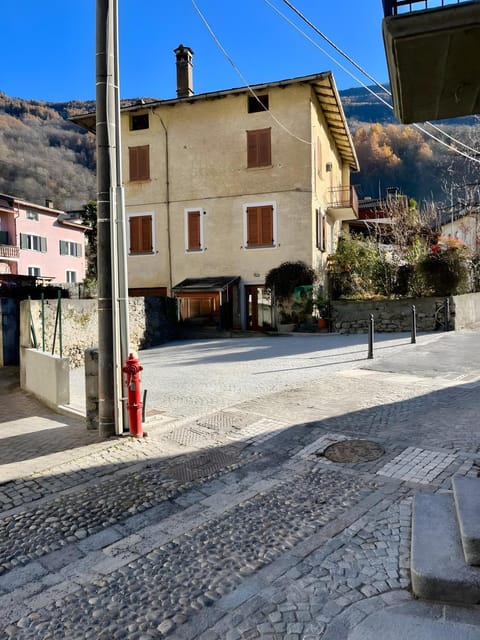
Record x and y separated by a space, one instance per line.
433 62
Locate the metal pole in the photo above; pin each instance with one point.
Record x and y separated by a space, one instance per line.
120 264
59 311
106 404
414 325
43 322
446 319
371 328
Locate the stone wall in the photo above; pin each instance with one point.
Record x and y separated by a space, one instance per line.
390 315
152 321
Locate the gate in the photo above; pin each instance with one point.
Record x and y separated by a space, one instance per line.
10 341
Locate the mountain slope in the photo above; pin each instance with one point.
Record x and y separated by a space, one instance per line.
44 156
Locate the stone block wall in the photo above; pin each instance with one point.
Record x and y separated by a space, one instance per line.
390 315
152 320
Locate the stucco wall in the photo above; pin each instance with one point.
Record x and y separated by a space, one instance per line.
207 170
151 320
46 377
467 310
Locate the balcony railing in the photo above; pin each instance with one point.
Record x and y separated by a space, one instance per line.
397 7
344 198
9 251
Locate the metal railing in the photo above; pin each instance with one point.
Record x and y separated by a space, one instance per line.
343 198
57 332
9 251
400 7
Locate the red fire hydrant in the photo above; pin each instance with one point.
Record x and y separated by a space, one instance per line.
132 370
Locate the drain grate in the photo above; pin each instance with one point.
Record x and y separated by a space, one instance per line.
204 465
354 451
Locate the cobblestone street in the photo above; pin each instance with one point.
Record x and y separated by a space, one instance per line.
242 522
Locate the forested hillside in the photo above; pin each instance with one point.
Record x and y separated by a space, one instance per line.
43 155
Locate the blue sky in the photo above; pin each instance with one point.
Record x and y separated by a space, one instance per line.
49 50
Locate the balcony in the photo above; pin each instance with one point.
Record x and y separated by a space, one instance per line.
432 55
9 252
342 203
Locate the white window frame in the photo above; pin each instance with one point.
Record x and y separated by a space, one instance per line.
71 271
71 248
31 214
34 239
138 215
34 275
185 223
269 203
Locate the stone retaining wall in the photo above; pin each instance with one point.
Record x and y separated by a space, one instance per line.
152 320
396 315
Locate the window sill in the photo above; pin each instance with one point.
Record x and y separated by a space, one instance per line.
141 253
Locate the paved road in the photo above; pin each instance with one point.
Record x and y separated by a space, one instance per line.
234 524
192 377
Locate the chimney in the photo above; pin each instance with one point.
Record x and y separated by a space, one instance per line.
49 204
184 71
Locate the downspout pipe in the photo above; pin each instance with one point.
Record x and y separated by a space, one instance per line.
167 202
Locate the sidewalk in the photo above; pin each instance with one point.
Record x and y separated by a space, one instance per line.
236 524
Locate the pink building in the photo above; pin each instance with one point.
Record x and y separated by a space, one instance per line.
40 241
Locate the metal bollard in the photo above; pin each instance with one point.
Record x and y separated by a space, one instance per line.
414 325
446 319
371 328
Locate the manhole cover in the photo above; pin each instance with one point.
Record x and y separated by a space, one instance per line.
354 451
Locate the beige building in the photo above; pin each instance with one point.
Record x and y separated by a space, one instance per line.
221 187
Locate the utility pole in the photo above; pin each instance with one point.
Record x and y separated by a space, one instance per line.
111 255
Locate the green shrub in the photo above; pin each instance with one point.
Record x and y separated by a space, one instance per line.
445 268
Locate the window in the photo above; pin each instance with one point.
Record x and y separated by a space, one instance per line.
139 159
259 149
71 277
35 243
139 121
260 226
257 103
321 231
68 248
32 215
193 230
34 271
141 234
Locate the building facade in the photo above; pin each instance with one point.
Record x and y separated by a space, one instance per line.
222 187
40 241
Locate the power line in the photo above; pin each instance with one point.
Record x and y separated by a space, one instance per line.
372 79
237 70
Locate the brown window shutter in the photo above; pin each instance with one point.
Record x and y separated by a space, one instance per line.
260 226
147 233
259 148
264 148
253 239
139 161
251 149
141 234
135 235
266 214
194 243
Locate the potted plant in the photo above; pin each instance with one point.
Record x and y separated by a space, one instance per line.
322 306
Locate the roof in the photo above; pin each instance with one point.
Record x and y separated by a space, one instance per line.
323 84
214 283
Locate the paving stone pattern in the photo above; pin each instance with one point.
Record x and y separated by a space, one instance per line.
193 571
232 525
